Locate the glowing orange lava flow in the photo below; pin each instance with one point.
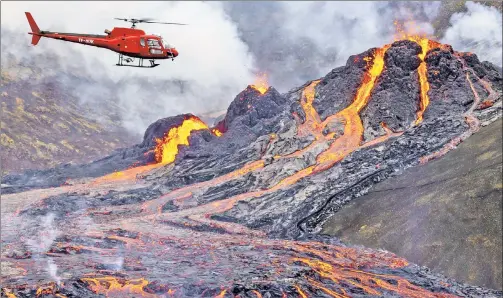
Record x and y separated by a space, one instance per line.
216 132
353 130
9 294
167 148
366 281
341 147
113 287
47 290
261 84
126 175
472 121
426 45
301 293
222 294
312 122
369 78
423 79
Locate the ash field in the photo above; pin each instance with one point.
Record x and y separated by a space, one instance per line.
237 209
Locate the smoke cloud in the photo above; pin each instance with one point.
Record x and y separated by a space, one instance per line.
212 60
47 233
479 30
225 44
299 41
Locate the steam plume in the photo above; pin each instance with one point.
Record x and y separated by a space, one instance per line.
41 243
479 30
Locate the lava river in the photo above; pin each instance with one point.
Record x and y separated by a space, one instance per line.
171 244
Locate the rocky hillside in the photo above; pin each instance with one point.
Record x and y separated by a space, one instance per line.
445 214
236 209
51 113
43 125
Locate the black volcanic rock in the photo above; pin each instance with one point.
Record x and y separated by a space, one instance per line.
396 92
338 88
448 84
250 107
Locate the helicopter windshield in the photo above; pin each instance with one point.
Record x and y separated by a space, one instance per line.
153 43
165 44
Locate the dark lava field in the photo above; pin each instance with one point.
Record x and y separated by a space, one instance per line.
236 209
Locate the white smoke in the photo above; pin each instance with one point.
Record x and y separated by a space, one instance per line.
46 235
479 30
115 263
212 56
302 40
43 241
305 40
52 268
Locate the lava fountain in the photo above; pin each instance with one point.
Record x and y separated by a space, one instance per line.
261 84
167 148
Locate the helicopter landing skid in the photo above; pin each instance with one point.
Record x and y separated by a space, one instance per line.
140 62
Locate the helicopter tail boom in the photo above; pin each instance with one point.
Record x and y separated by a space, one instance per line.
35 31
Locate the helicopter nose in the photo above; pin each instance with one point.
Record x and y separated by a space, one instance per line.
174 52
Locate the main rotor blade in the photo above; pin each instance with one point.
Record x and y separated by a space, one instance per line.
164 23
145 19
148 20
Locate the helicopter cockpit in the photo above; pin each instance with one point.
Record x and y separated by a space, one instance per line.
165 44
153 43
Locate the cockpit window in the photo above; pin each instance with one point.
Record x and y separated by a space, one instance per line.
142 42
165 44
153 43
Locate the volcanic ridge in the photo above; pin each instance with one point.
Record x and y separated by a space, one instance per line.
235 210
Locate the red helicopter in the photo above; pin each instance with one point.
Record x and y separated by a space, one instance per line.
130 42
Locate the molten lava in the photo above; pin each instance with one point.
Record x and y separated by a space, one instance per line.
167 148
115 287
353 130
426 45
9 294
312 121
301 293
261 84
216 132
341 147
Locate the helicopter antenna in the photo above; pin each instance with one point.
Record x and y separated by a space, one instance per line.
146 20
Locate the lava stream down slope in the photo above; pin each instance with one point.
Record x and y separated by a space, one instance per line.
234 210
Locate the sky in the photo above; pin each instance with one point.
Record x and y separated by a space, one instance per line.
226 45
